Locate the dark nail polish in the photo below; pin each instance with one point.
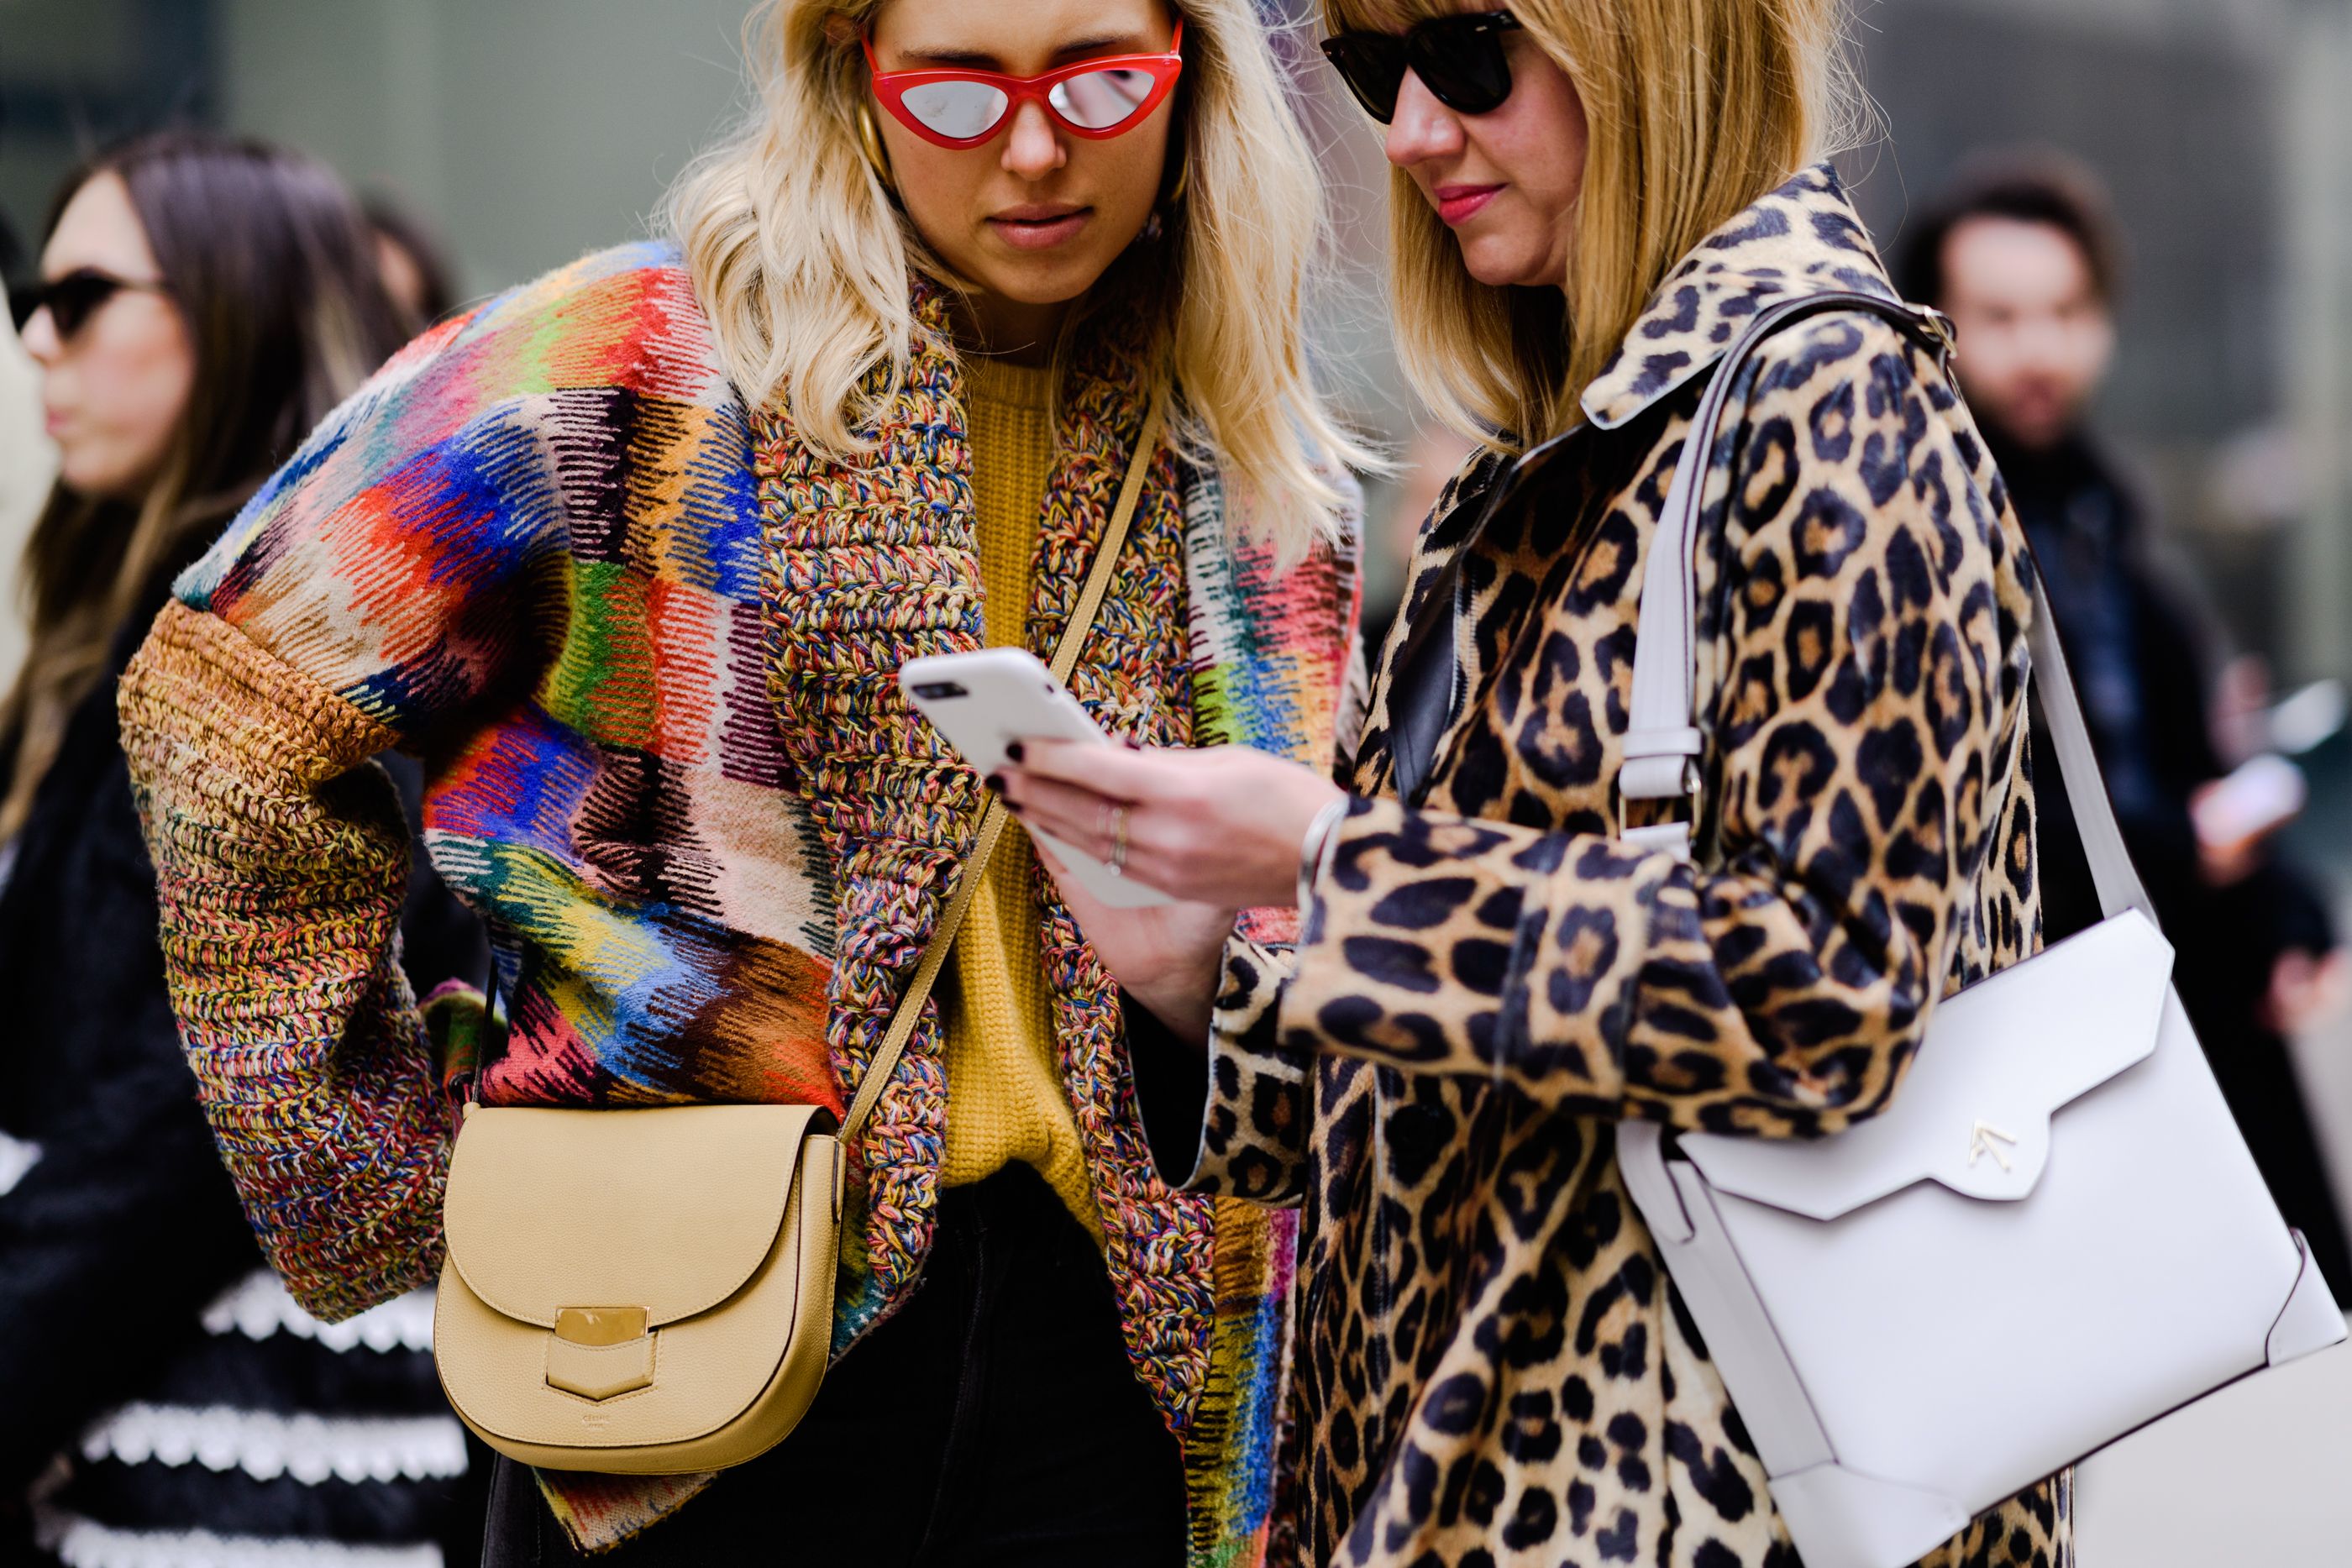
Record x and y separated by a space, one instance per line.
1014 807
1014 753
995 783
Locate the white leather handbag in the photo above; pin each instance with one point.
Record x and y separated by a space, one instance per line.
2053 1236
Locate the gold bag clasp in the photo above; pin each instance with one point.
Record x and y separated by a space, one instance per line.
598 1352
599 1325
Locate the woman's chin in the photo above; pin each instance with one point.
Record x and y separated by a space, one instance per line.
1037 280
1509 261
97 478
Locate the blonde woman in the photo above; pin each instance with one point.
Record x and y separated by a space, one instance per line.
632 556
1591 200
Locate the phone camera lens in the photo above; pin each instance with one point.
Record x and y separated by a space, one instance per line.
939 691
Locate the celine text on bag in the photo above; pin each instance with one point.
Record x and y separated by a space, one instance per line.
650 1291
2053 1236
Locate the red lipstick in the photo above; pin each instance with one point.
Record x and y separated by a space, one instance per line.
1458 203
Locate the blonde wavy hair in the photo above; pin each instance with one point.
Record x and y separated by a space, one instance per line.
1694 109
800 260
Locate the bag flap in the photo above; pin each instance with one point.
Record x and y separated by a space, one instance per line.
668 1209
1974 1113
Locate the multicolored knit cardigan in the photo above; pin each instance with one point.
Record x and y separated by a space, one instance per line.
647 642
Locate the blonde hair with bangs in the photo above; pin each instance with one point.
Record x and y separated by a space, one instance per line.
800 260
1694 109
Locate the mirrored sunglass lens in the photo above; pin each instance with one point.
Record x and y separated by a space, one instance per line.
1100 100
961 110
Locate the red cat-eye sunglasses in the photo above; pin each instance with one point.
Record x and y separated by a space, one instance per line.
1096 99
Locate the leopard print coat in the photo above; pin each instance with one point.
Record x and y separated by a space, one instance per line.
1492 1366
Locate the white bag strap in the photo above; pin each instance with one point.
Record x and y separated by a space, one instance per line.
1663 742
2112 872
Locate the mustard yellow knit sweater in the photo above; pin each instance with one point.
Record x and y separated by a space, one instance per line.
1004 1082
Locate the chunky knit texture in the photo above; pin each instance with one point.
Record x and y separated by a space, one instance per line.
648 643
1004 1085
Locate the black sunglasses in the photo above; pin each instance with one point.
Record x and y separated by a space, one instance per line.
1458 58
71 300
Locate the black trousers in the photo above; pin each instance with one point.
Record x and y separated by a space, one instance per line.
993 1421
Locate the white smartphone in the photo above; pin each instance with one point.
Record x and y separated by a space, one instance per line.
985 701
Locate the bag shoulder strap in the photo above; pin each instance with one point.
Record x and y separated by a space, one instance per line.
1663 742
992 820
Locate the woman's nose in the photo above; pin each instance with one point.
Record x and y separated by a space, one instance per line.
1032 149
1421 127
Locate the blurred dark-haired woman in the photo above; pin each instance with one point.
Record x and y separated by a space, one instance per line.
201 303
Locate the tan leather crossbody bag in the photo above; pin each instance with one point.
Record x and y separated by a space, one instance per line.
650 1292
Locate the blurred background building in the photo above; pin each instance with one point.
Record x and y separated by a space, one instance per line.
525 132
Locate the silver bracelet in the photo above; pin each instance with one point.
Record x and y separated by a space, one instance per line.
1314 848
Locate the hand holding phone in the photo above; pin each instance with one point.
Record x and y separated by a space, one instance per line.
984 701
2234 815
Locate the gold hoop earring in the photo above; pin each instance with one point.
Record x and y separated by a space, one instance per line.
869 142
1184 178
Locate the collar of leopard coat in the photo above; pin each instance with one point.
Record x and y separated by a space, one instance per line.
1800 239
